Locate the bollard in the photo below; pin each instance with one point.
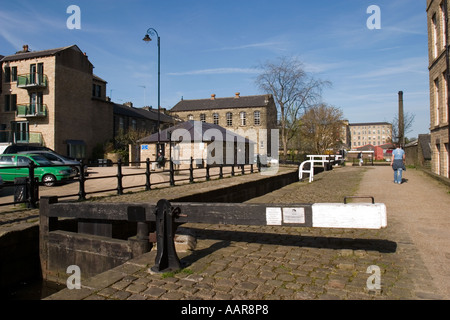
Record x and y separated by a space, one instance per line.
166 256
147 175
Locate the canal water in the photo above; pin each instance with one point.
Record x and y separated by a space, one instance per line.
32 290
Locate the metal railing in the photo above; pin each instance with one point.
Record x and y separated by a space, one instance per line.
32 80
9 136
32 110
119 189
32 185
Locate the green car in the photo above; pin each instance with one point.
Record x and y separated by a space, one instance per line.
16 166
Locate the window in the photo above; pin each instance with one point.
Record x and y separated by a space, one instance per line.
7 74
96 90
257 118
203 117
10 102
436 102
7 160
443 26
13 74
216 118
229 119
190 117
447 160
243 117
434 35
444 76
438 159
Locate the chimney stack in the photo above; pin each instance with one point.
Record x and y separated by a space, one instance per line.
25 48
213 97
237 96
401 124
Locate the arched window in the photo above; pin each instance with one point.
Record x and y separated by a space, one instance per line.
243 117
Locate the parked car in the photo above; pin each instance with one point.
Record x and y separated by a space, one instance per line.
58 159
16 166
16 148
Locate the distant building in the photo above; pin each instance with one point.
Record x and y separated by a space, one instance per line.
249 116
357 135
438 33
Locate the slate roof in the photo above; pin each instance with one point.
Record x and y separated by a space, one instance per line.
425 143
196 129
223 103
140 113
35 54
369 123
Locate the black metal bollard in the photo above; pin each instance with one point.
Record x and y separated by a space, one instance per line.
191 171
82 180
166 257
33 194
172 173
119 177
147 175
208 177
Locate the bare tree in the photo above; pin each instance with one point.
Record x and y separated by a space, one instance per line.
320 128
294 91
408 120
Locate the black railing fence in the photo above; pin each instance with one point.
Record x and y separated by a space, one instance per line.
27 188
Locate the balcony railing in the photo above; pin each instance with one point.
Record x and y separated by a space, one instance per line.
31 110
32 80
8 136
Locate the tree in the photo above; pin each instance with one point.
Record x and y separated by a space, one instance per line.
320 128
294 91
408 120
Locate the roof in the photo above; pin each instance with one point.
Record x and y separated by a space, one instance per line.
97 78
425 143
35 54
369 123
223 103
140 113
196 131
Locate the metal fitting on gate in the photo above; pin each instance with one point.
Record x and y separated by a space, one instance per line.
166 256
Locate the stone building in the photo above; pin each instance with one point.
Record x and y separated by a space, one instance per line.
52 98
250 116
373 133
204 143
438 32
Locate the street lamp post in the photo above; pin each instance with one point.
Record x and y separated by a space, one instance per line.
147 38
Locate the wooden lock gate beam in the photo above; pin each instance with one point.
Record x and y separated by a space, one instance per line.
168 216
321 215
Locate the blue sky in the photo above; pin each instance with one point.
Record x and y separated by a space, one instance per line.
212 46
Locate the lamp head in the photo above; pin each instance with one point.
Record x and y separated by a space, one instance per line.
147 38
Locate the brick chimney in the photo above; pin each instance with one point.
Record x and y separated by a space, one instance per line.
213 97
237 95
25 48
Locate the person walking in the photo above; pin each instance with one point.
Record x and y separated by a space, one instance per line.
398 163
